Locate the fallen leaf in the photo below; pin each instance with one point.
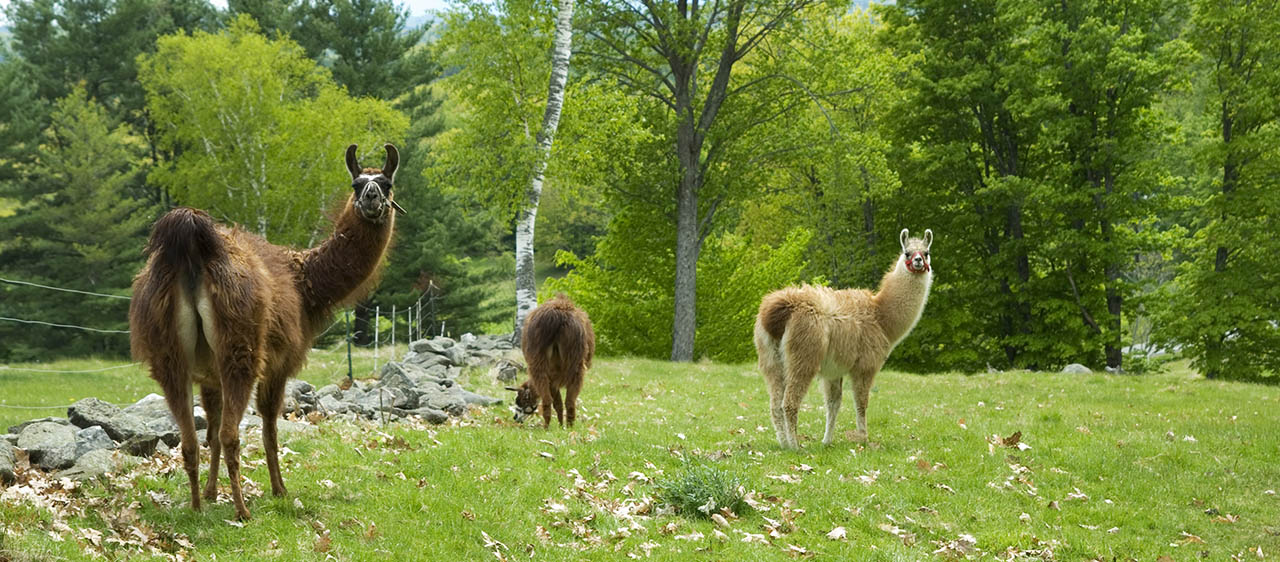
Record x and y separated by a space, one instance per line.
837 534
546 455
371 532
236 524
1228 518
692 536
1012 440
1188 538
720 520
322 543
468 516
1025 518
788 478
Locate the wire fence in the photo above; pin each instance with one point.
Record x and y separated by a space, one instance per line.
419 322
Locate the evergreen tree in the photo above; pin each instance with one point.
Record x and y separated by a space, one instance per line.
75 228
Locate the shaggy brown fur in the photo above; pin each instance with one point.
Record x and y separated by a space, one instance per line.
558 345
802 332
227 310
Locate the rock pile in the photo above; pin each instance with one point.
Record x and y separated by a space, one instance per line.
84 444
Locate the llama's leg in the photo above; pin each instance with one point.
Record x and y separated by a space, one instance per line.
862 389
270 403
558 405
775 381
571 400
769 360
832 389
211 400
239 363
544 401
802 366
177 393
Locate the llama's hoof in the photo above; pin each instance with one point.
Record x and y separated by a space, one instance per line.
279 492
859 436
211 494
242 516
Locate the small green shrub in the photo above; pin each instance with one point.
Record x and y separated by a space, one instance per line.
700 485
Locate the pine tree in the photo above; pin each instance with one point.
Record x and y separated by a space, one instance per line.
76 227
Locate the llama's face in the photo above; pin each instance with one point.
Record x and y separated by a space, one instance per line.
372 195
372 186
526 402
915 251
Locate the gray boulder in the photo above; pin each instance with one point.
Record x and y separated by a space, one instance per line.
434 345
8 461
119 425
10 438
17 429
49 445
386 398
506 371
473 398
92 465
141 445
328 390
1077 369
299 397
441 399
332 406
149 407
429 414
92 438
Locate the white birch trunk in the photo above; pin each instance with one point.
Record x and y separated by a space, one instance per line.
526 288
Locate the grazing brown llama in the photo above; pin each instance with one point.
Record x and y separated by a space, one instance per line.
227 310
558 344
803 332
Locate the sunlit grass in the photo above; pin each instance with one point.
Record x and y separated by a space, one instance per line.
1117 467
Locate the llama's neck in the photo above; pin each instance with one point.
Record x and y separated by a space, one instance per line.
900 300
341 269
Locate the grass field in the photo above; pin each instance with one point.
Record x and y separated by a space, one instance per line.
1111 468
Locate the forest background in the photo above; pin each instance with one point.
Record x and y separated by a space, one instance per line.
1102 178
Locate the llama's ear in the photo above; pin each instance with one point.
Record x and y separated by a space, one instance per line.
928 238
353 165
393 162
902 239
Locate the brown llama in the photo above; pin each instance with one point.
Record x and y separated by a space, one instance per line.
558 344
803 332
227 310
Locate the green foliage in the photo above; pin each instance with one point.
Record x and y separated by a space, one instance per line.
498 59
629 296
1228 289
74 227
702 490
367 46
257 130
95 43
736 274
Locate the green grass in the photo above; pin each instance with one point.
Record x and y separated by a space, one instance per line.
1163 460
27 394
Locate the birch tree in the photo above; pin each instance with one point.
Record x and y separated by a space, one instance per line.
496 150
257 128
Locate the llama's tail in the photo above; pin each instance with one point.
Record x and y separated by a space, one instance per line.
775 311
183 241
560 325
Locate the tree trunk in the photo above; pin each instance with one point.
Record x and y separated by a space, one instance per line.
361 328
687 245
526 286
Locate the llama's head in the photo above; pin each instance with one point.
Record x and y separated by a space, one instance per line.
915 251
526 401
372 186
